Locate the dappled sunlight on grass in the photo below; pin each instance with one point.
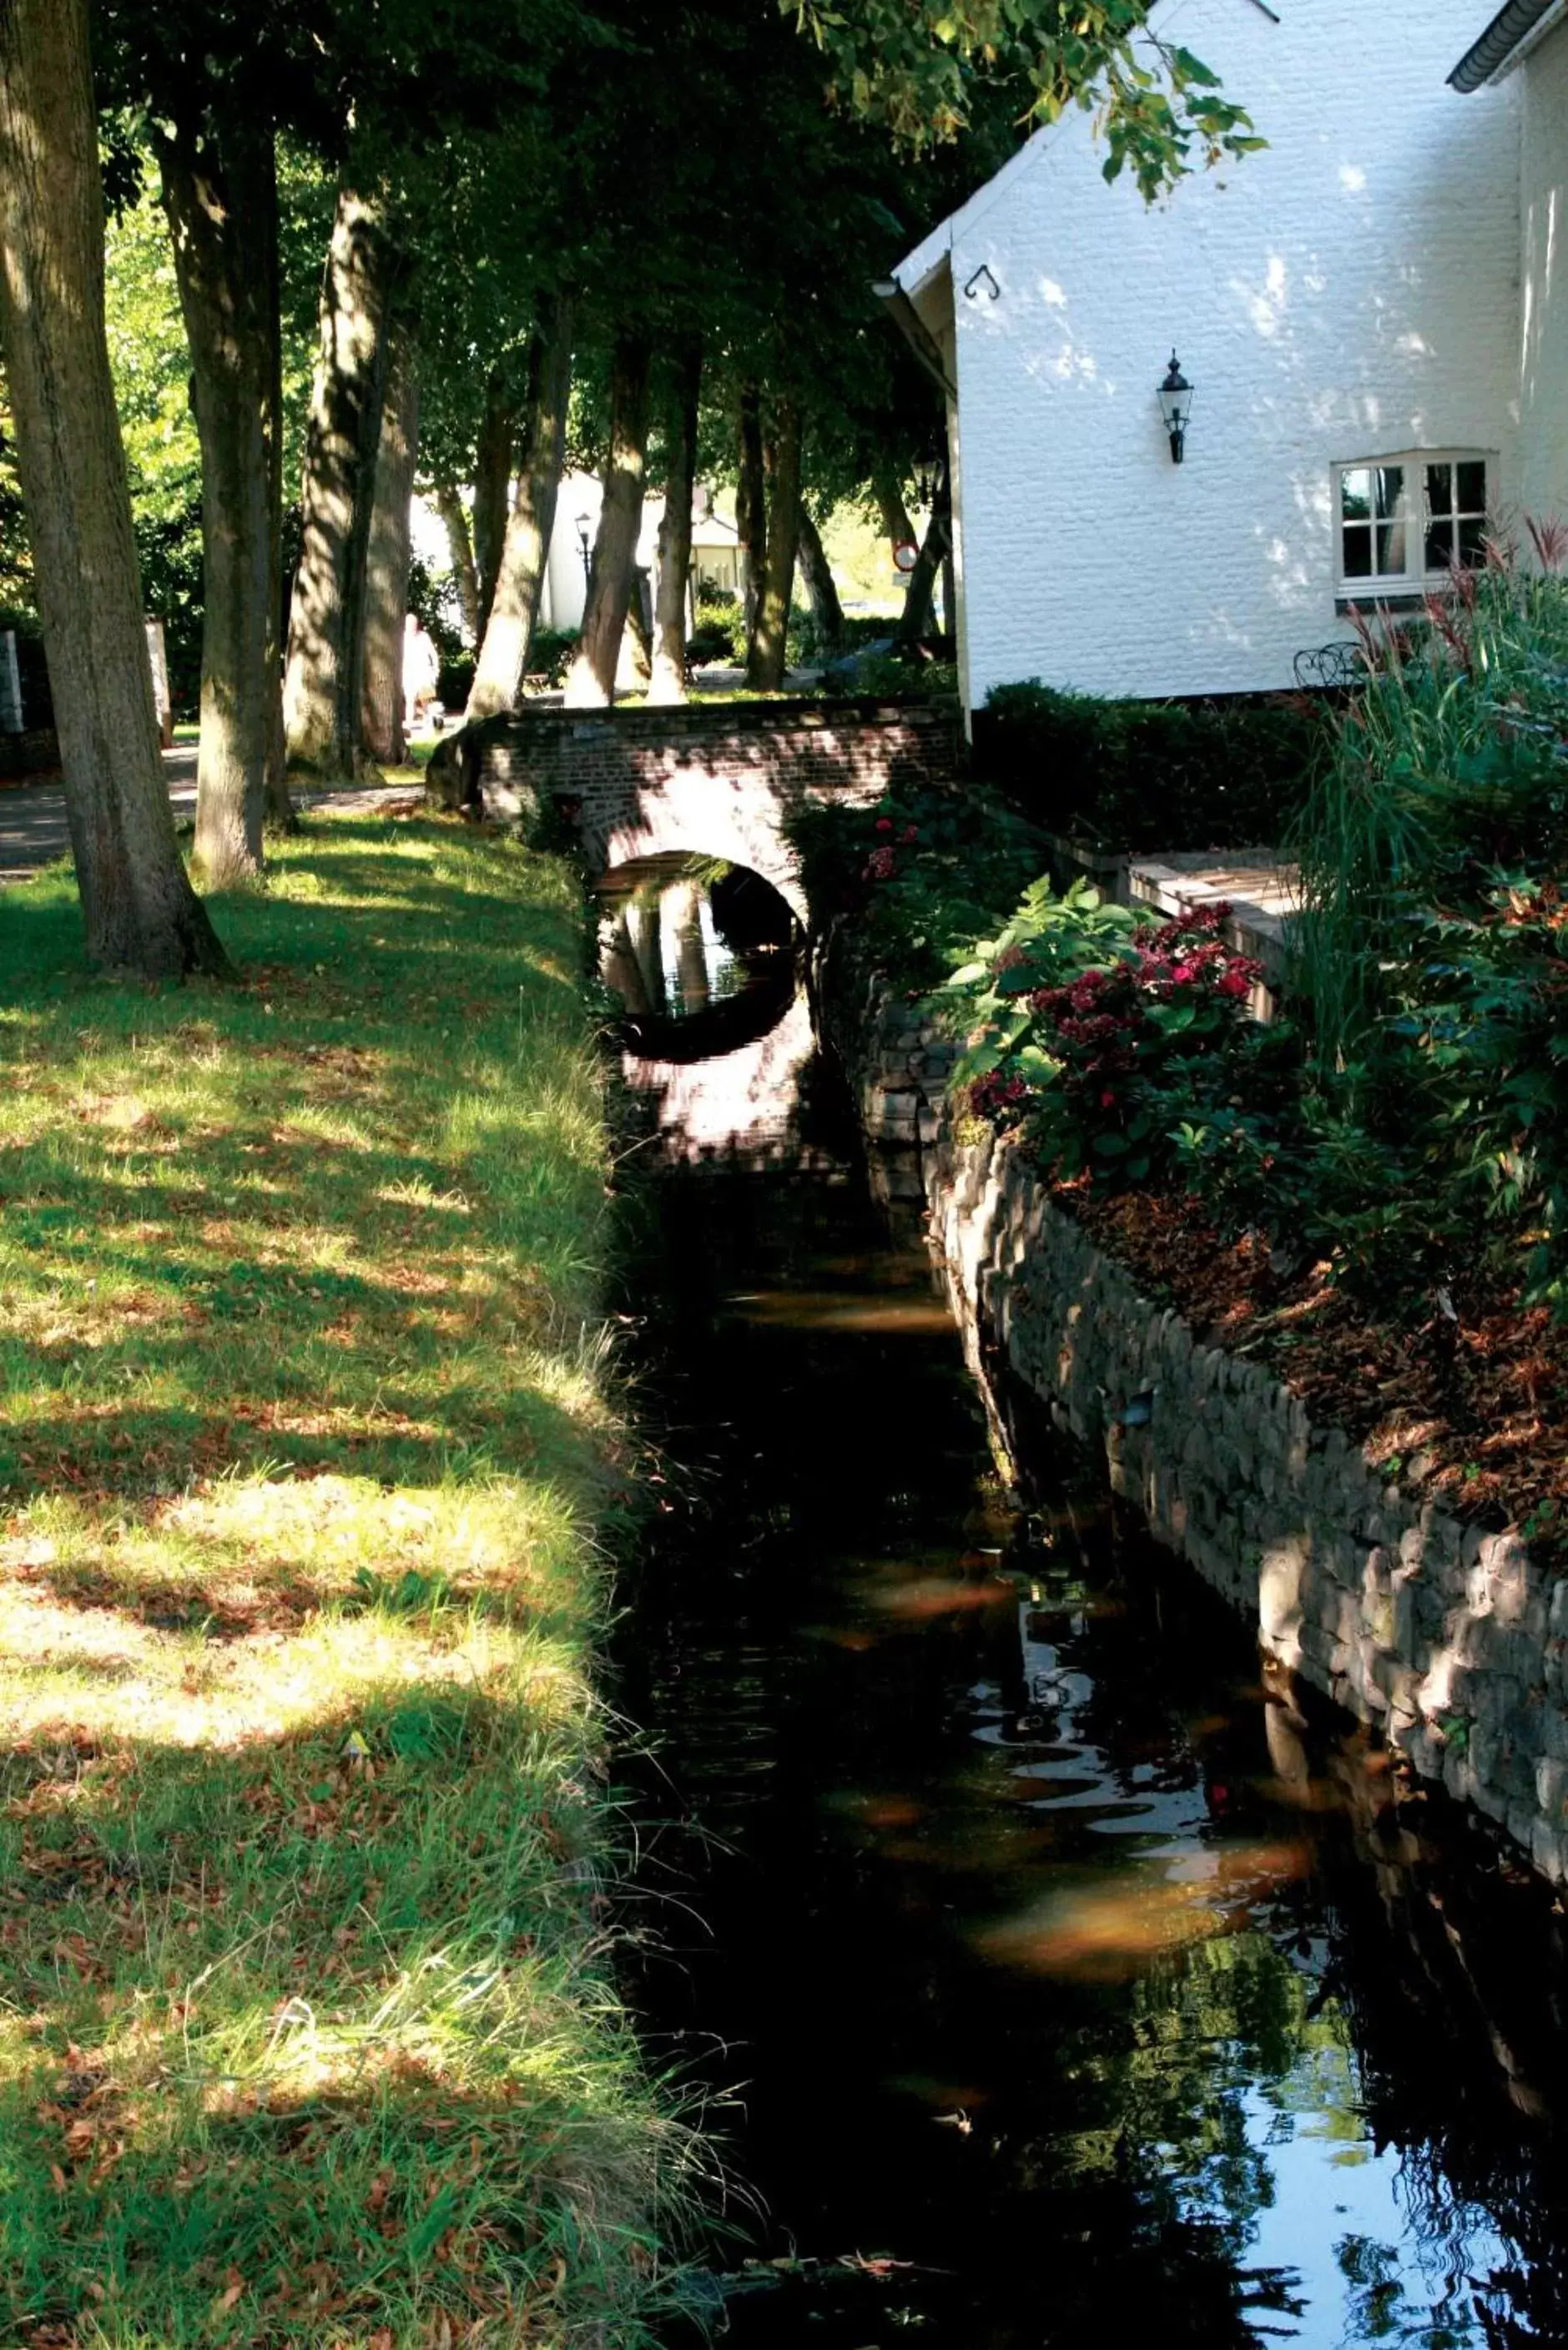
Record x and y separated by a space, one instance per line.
306 2031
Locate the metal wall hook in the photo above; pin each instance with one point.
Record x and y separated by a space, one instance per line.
983 276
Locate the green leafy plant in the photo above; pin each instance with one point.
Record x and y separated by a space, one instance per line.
918 876
1099 1033
1429 960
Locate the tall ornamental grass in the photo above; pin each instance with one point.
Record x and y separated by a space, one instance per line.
1431 979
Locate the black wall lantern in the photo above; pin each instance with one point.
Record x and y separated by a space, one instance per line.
1175 398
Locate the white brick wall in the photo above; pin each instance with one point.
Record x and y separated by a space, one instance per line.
1352 292
1544 337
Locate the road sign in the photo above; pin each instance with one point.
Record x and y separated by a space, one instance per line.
905 555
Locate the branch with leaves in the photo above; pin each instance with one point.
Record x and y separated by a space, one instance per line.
915 69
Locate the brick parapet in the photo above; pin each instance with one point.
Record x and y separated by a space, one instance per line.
721 780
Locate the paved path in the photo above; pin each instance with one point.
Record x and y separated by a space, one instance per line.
32 818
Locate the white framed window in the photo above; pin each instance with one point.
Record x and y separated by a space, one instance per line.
1401 523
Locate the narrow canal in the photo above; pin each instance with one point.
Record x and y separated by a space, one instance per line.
1051 1978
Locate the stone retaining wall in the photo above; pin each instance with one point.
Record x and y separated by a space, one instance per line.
1447 1637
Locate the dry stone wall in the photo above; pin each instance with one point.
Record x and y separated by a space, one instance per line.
1448 1637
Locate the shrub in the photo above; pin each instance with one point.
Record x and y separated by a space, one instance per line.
1429 1142
720 631
454 680
550 653
895 677
1144 776
1099 1033
919 875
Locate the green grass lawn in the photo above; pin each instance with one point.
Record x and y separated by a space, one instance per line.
307 2028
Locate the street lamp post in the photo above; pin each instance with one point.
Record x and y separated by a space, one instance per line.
585 540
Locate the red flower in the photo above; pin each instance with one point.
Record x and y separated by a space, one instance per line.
1234 983
1107 1099
884 823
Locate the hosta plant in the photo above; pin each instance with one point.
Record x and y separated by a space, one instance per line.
1098 1033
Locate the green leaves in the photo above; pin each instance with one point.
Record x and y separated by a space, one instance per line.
920 67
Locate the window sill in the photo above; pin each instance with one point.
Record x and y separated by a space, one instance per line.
1392 599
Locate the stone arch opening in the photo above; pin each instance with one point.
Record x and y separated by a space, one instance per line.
703 952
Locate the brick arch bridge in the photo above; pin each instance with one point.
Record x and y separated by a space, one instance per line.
712 780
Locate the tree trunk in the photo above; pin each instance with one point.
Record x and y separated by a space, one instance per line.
681 910
769 645
387 563
322 691
140 910
750 507
640 625
915 622
491 493
590 682
449 506
220 192
820 585
514 610
668 679
897 527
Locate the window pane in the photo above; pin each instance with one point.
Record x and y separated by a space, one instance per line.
1472 489
1390 549
1439 489
1358 551
1390 482
1439 546
1472 541
1355 494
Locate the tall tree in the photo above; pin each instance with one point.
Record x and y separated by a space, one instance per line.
218 170
460 547
491 487
750 505
515 606
590 682
324 685
769 651
138 907
816 572
388 556
668 681
915 620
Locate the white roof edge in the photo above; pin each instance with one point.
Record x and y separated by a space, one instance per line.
927 261
919 267
1551 22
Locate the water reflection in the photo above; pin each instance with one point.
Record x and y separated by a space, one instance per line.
701 954
1079 1982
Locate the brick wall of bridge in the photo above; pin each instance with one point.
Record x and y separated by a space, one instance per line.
714 780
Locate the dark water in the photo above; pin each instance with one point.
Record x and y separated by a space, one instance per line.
703 960
1070 1984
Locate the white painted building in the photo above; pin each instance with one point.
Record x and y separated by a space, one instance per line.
715 548
1373 312
716 556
